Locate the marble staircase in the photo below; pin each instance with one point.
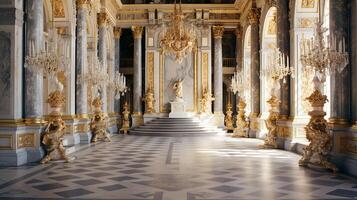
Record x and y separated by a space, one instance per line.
177 127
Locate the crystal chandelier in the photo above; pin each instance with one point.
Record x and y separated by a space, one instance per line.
179 38
317 56
96 76
49 58
119 85
238 83
278 66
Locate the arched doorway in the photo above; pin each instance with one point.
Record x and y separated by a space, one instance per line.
246 68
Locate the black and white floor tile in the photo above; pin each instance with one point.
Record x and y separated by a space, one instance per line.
169 168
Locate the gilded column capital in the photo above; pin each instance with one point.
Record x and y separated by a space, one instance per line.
137 31
102 18
218 31
117 32
83 3
254 15
239 32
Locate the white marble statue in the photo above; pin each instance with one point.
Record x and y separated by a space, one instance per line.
177 86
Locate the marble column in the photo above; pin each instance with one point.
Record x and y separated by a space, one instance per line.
218 75
239 53
117 34
340 82
239 47
81 58
33 94
102 50
283 40
354 59
253 17
137 90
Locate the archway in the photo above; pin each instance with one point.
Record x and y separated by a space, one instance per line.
268 45
246 68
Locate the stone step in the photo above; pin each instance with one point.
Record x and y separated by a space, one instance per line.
176 127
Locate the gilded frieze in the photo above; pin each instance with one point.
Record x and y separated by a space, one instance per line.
306 22
307 3
58 9
150 64
26 140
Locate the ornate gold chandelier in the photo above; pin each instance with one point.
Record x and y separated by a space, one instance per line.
179 38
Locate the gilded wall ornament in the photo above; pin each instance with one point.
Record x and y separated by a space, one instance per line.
26 140
102 19
272 27
253 15
137 31
117 32
149 100
218 31
307 3
58 9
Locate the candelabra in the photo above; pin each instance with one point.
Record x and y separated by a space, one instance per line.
49 59
118 85
321 59
238 87
98 78
277 69
179 38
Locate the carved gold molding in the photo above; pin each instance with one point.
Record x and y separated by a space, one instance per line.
307 3
103 19
117 32
83 3
253 15
58 9
26 140
161 85
218 31
204 71
137 31
150 64
195 80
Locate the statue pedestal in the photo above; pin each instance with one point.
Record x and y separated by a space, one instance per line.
178 110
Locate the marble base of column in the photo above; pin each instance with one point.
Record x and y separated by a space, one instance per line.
218 119
24 153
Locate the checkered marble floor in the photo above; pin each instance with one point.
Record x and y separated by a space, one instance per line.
175 168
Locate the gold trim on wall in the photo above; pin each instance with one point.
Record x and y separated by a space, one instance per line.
26 140
151 70
204 71
195 80
161 99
